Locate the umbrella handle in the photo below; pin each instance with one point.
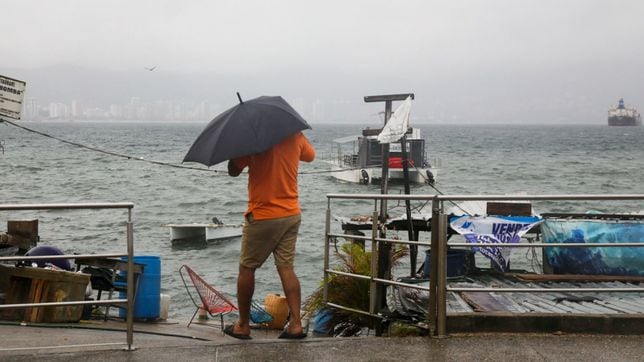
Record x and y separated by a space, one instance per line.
239 97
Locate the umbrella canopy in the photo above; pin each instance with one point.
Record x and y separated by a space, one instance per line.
250 127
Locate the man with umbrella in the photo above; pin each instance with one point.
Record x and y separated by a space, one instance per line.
272 219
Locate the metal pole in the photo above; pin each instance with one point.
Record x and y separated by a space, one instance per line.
433 270
383 248
374 262
327 231
384 186
413 249
441 293
130 283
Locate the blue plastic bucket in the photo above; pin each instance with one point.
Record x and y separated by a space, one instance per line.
147 302
459 262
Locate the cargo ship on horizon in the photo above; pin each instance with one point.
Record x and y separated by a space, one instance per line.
623 115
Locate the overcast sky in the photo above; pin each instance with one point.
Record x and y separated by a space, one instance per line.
467 61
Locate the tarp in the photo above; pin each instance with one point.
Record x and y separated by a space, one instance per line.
594 261
397 125
494 230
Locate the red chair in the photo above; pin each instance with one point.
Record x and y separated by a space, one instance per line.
212 301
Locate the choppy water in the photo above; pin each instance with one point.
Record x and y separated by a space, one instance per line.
475 160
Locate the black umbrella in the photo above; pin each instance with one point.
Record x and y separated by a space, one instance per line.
250 127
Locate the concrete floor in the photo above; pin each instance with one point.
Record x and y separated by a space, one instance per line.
172 341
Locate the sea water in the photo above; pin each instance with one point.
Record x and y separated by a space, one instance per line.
481 159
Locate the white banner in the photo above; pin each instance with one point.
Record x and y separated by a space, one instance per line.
12 92
397 125
495 231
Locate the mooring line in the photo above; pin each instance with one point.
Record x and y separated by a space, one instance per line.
110 153
128 157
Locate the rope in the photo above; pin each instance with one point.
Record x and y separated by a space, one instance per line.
437 190
109 152
221 172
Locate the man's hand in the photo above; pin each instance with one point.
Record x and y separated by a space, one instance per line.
233 170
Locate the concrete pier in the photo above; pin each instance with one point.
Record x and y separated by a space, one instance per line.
172 341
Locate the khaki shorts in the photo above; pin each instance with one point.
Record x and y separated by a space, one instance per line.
260 238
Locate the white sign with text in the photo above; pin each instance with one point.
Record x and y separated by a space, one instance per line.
12 92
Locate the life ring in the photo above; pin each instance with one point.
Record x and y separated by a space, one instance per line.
364 177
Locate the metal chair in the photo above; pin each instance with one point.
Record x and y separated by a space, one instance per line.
216 303
212 301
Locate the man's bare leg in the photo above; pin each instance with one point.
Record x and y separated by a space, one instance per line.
291 286
245 290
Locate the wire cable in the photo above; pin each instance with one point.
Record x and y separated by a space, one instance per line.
110 153
128 157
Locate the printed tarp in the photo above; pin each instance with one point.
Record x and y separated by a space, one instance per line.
494 230
594 261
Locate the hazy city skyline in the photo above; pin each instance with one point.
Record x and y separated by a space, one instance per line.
496 61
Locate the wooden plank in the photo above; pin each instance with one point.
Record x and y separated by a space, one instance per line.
388 97
456 304
509 208
24 232
487 302
26 228
577 278
36 285
592 216
111 263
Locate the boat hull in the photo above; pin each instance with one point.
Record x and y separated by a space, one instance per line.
370 175
181 233
624 121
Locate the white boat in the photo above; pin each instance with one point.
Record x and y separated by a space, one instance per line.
203 232
359 159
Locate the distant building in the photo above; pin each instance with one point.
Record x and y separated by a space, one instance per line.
58 111
32 109
76 111
116 111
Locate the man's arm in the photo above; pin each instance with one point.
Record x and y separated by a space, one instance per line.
308 153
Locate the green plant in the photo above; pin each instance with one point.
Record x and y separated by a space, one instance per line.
347 291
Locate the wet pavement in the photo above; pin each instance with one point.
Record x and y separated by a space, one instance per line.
172 341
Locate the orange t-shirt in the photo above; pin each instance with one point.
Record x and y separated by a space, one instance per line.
272 177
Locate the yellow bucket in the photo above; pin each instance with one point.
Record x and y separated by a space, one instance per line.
276 306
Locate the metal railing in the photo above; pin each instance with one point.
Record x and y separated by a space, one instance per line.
129 301
438 288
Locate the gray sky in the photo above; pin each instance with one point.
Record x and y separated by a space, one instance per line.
466 61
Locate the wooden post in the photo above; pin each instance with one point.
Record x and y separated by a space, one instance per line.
24 233
384 264
413 249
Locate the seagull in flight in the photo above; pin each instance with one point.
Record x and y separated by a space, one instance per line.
151 69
